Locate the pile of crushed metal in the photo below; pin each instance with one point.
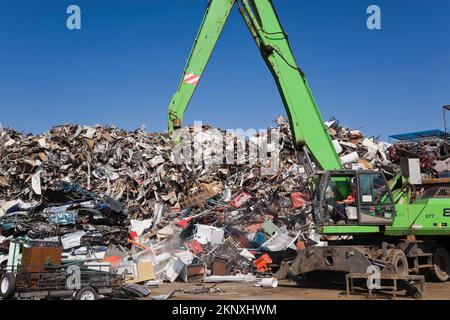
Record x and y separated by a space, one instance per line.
434 155
118 198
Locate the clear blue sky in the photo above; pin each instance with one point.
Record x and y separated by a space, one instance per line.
124 65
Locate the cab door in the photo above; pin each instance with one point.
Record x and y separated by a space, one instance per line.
375 203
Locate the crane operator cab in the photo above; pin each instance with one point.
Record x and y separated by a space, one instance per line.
352 198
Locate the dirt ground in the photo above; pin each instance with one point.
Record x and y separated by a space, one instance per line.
288 290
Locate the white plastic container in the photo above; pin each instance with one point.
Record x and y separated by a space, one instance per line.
352 213
205 234
349 158
337 146
269 283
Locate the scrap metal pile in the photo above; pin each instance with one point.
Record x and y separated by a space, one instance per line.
119 197
434 155
359 152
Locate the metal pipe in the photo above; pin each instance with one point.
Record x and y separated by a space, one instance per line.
249 25
256 27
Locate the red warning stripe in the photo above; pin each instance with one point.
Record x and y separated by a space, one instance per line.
191 78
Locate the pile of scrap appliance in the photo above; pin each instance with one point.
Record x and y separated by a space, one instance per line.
130 210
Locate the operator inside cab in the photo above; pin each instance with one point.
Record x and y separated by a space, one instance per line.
342 210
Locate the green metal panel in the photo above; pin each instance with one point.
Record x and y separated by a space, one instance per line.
423 217
433 218
349 230
406 215
214 20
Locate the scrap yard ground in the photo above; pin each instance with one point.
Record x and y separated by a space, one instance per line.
287 290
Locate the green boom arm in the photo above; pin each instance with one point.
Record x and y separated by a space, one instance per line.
306 123
212 25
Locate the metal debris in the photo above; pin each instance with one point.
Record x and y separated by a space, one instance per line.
119 197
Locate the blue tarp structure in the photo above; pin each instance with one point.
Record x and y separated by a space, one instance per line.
419 135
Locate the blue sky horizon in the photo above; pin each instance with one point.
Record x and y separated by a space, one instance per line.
124 65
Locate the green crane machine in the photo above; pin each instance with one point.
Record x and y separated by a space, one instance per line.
388 226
